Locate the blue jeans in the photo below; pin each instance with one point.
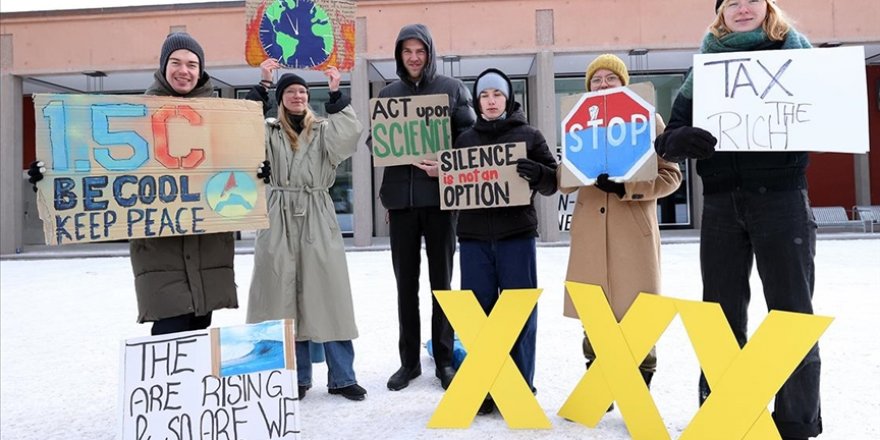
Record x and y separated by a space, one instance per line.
340 364
776 230
489 267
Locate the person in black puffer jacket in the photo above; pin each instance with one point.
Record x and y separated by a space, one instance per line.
756 209
497 245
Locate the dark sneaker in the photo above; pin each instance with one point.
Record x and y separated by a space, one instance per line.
351 392
488 407
302 391
400 379
445 374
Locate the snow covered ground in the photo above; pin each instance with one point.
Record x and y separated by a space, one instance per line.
62 321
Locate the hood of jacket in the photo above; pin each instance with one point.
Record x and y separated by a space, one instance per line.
419 32
511 100
204 87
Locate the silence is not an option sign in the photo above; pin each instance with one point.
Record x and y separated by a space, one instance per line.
482 177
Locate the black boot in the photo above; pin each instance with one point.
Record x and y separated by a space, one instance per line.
351 392
301 389
400 379
647 375
487 407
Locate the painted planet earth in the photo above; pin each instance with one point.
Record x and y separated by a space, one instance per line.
297 33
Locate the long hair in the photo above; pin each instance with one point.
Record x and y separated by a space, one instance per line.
776 23
307 122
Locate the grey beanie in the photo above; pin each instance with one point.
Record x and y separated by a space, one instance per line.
492 80
181 40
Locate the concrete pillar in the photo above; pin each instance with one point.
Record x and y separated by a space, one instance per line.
11 205
361 169
379 211
862 174
542 115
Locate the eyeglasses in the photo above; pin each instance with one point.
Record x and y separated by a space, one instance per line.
751 4
608 79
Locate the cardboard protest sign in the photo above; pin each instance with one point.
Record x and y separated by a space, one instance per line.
121 167
170 386
409 129
609 131
483 177
302 34
783 100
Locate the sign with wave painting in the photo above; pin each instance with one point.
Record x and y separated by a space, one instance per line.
301 34
221 383
251 348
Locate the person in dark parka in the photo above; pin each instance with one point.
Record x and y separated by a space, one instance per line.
756 211
497 245
412 198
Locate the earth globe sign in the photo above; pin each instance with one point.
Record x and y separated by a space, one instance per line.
231 193
297 33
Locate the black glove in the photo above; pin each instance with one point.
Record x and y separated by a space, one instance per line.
264 171
35 172
610 186
685 143
530 170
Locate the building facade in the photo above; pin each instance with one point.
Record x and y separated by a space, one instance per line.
543 45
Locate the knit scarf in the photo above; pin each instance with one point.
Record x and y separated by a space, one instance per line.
743 41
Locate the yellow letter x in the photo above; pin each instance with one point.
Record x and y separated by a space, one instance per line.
620 349
743 382
488 367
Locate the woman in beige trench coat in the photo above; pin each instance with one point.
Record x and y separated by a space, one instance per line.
615 238
300 270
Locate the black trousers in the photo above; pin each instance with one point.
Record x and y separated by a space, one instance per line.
776 230
182 323
407 227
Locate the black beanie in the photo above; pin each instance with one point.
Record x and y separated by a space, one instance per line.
718 5
287 80
181 40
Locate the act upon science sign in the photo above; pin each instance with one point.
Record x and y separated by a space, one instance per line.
408 129
121 167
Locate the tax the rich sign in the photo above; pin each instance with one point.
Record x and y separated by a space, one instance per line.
483 177
121 167
409 129
784 100
231 383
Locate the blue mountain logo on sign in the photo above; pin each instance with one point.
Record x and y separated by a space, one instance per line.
609 131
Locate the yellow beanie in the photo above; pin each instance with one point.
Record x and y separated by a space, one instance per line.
610 62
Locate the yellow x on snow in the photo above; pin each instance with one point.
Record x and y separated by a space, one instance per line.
488 367
620 348
744 381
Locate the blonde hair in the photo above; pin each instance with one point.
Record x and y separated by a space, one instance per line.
307 122
776 24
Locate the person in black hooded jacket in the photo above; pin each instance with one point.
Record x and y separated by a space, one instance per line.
412 198
756 211
497 245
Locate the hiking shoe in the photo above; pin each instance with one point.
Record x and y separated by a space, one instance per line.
351 392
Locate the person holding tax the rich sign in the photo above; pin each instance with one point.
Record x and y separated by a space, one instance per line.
756 210
497 243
